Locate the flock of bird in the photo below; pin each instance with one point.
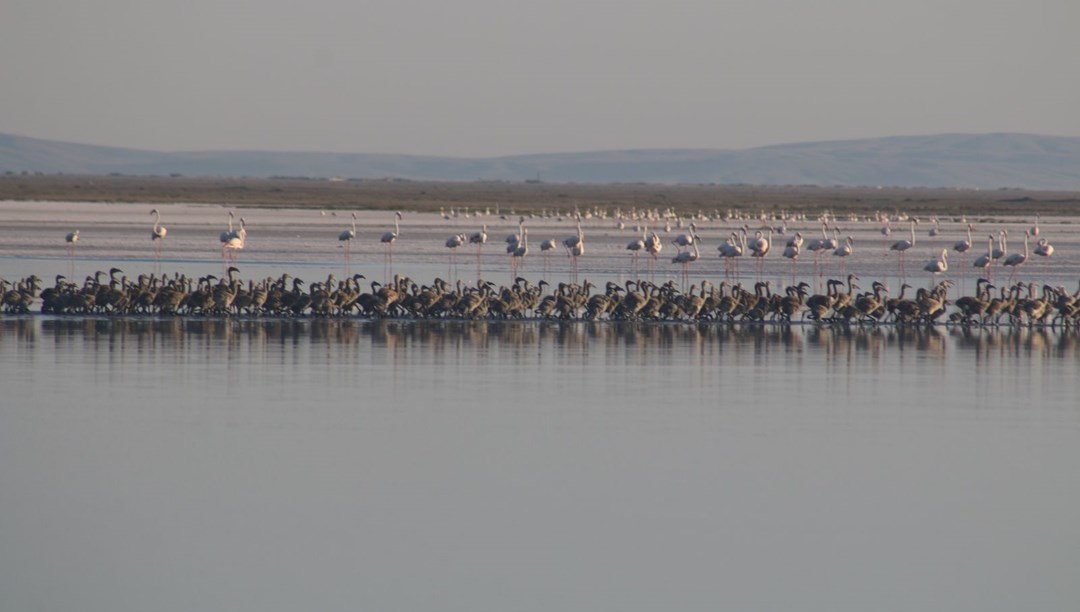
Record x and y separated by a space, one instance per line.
113 293
739 243
640 299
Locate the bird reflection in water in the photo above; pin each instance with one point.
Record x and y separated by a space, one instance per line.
240 337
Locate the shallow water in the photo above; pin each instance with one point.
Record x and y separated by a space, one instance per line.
334 465
304 242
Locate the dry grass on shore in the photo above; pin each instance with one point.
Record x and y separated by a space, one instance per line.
521 197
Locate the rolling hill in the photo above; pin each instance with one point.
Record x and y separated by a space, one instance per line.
984 161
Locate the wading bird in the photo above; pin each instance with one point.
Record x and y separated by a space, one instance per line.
157 234
901 246
686 258
236 242
388 240
517 257
479 239
938 266
71 239
347 236
1016 260
843 252
575 247
986 261
452 243
635 247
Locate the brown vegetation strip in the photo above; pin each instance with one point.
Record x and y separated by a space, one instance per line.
430 196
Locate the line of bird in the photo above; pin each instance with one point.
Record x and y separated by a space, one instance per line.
634 300
735 246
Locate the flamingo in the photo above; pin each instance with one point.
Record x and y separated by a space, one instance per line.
934 231
1016 260
962 246
575 246
452 243
938 266
479 238
546 247
653 246
236 241
885 229
686 258
902 246
791 252
730 251
636 247
985 261
830 244
157 234
229 233
1044 248
817 247
388 239
759 248
844 251
1003 245
1035 228
512 240
346 236
519 253
683 241
71 239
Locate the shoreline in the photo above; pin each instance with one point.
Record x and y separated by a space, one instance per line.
424 196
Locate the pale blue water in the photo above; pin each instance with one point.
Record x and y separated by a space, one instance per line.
344 465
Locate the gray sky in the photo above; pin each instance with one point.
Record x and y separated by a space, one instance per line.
499 77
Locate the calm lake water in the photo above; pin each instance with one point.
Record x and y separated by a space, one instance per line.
178 465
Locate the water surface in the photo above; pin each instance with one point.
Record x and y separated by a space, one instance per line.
178 464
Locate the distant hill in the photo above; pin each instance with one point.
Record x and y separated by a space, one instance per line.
984 161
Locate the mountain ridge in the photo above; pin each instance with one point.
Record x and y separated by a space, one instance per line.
983 161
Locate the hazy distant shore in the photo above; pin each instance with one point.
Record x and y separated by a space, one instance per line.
509 196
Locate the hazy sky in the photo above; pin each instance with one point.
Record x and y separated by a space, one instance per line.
496 77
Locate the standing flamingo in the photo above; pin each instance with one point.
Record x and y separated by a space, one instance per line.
686 258
730 251
986 261
791 252
452 243
817 247
902 246
635 247
1003 245
71 239
235 242
545 249
653 246
229 233
157 234
575 247
843 252
938 266
347 236
1044 249
683 241
388 239
1035 228
1016 260
961 247
759 248
517 257
479 238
